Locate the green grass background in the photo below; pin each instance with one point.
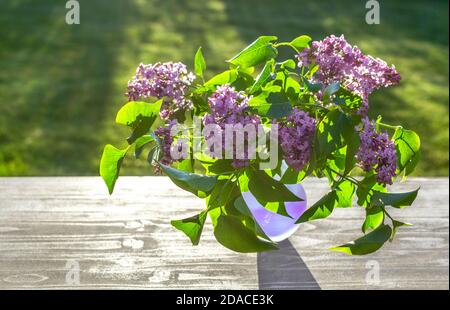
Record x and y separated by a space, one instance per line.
61 85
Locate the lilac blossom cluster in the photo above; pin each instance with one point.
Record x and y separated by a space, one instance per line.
166 139
170 80
340 62
296 138
229 106
377 150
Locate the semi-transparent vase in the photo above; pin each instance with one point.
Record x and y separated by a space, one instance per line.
278 227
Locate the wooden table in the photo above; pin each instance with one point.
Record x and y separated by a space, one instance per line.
67 232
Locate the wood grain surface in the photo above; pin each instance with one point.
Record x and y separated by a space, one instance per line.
55 231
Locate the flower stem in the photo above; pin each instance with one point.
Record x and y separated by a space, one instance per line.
388 126
354 181
287 44
388 215
314 105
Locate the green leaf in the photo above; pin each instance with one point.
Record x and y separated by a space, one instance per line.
374 218
321 209
397 225
278 207
397 200
291 176
291 88
224 191
243 181
153 155
219 166
191 226
409 168
301 42
133 112
262 77
226 77
140 143
407 144
336 162
245 71
257 52
243 81
283 83
140 116
287 64
366 188
231 232
368 243
347 100
197 184
200 103
330 90
110 165
241 206
274 206
332 131
141 129
267 189
279 105
185 165
199 63
311 87
345 192
352 140
272 105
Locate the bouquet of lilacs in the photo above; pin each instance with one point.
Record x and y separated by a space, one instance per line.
265 123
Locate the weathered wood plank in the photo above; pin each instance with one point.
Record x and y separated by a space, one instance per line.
126 241
417 258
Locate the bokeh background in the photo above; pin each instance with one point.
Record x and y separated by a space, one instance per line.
61 85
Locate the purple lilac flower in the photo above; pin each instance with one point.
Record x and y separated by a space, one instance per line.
166 140
377 150
340 62
229 106
170 80
296 138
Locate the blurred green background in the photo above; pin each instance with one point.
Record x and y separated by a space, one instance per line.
61 85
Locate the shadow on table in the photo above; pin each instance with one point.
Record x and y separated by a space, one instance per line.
284 269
